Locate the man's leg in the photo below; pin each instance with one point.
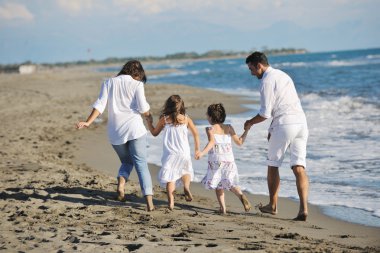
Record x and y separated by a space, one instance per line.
273 180
303 190
298 162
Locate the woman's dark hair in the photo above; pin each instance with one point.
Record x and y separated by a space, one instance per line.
173 106
256 58
134 69
217 113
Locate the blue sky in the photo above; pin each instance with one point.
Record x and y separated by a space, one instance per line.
65 30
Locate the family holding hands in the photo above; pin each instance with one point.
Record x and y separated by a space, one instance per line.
125 97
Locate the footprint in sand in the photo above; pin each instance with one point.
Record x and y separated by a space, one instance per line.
252 246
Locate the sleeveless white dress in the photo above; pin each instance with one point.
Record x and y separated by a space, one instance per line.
222 172
176 158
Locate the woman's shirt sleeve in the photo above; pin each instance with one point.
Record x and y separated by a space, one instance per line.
142 104
101 103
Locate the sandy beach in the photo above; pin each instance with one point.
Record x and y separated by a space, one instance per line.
57 191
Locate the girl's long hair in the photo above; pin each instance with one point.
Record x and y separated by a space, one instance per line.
134 69
173 106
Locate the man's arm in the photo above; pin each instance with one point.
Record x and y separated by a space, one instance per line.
255 120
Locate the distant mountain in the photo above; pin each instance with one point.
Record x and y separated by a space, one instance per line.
175 56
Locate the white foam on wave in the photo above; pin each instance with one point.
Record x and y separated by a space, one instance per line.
181 73
373 56
370 59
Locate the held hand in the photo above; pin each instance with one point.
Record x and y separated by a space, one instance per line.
247 125
81 125
149 119
198 155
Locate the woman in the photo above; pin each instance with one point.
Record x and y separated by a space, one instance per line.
126 131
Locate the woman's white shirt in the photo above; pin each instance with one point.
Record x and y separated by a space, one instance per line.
126 102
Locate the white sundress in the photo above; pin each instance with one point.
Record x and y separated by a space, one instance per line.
222 172
176 158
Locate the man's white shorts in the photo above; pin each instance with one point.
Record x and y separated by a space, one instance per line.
293 136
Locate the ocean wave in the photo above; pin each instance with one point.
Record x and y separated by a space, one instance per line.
369 60
293 64
373 56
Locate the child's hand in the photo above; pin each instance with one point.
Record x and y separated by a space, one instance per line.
81 125
198 155
149 119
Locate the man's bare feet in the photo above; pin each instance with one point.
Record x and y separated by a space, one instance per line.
301 217
268 209
247 206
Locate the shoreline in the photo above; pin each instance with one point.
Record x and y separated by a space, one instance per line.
54 201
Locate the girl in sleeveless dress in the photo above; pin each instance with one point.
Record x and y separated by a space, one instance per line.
176 162
222 172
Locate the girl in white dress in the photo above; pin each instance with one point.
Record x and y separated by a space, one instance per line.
176 160
222 171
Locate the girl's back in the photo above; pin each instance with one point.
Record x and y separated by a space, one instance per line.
175 137
222 150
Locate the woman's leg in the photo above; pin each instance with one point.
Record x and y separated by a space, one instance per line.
186 187
137 150
220 197
125 168
170 187
237 191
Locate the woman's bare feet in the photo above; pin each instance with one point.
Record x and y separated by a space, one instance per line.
247 206
268 209
120 189
149 203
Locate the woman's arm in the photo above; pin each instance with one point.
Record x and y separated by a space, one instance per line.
238 140
160 125
94 114
195 133
210 144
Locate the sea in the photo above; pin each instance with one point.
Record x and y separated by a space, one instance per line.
340 94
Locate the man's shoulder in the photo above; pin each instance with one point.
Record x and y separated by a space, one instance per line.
275 74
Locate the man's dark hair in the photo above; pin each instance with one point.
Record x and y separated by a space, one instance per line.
134 69
256 58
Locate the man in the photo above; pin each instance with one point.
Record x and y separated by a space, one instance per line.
279 101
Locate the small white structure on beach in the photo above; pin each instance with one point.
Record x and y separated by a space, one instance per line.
27 69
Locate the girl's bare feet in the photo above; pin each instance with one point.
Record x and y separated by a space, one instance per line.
222 211
188 195
247 206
